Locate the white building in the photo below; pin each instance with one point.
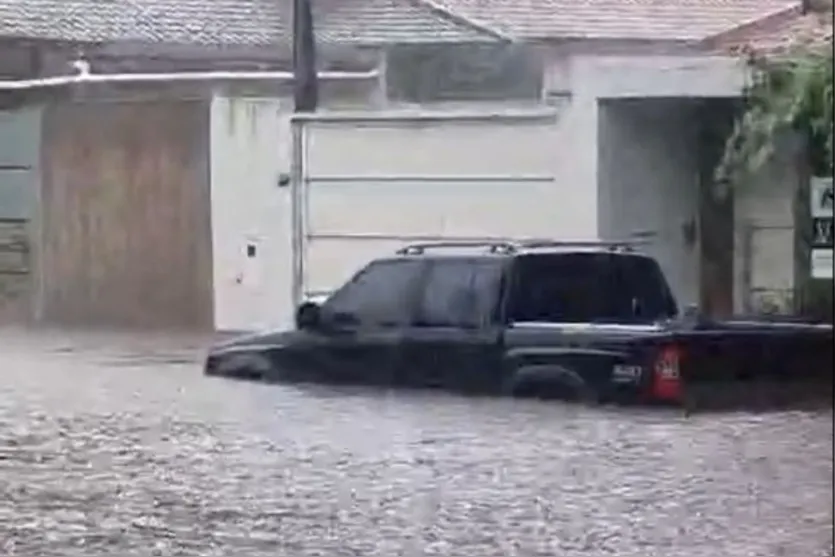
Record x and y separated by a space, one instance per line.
566 120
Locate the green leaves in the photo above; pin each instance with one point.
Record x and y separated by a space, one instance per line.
790 92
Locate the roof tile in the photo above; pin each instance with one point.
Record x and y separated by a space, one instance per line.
254 22
679 20
175 21
777 33
221 22
396 21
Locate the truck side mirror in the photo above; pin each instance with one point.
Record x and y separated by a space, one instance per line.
308 316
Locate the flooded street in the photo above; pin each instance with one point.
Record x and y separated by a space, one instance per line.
113 445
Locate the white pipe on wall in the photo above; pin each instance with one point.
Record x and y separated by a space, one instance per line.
85 77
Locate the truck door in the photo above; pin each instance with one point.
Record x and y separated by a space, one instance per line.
455 339
365 319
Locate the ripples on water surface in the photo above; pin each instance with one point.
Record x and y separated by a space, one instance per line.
118 446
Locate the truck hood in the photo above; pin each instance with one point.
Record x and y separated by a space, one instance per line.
263 339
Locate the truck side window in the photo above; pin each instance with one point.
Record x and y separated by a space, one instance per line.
460 293
589 287
381 294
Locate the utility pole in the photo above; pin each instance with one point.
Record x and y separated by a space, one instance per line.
306 83
305 100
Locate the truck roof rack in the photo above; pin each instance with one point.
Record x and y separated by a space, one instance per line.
508 246
610 245
492 246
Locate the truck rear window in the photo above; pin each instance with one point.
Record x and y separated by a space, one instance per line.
589 288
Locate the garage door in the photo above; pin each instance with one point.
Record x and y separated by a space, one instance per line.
372 185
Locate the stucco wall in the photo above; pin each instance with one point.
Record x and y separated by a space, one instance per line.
397 174
629 157
249 149
590 79
618 171
657 76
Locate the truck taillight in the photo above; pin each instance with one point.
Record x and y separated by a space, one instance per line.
666 374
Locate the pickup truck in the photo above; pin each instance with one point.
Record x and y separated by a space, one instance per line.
588 321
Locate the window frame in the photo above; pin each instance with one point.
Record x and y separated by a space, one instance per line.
434 58
515 276
413 290
497 313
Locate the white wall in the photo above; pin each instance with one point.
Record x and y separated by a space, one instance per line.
583 199
631 158
488 174
590 79
635 142
638 155
248 151
657 76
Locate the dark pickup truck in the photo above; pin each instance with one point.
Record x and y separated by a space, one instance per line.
590 321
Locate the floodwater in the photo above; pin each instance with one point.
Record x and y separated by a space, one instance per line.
116 445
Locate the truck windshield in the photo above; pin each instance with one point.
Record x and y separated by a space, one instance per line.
590 288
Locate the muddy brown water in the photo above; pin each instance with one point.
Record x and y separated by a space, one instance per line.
116 445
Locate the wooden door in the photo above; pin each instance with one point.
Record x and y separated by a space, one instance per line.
126 216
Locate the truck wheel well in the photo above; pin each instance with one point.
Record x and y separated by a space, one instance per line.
549 381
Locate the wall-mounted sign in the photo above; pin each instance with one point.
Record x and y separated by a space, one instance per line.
822 233
822 201
822 198
822 261
252 267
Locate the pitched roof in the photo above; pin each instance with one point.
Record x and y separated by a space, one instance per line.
777 33
397 21
264 22
672 20
176 21
234 22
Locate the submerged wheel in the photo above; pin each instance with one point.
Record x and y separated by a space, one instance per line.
550 382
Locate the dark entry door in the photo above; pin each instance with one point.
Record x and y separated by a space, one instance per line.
455 339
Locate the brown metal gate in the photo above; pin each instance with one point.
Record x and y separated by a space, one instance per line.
126 237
